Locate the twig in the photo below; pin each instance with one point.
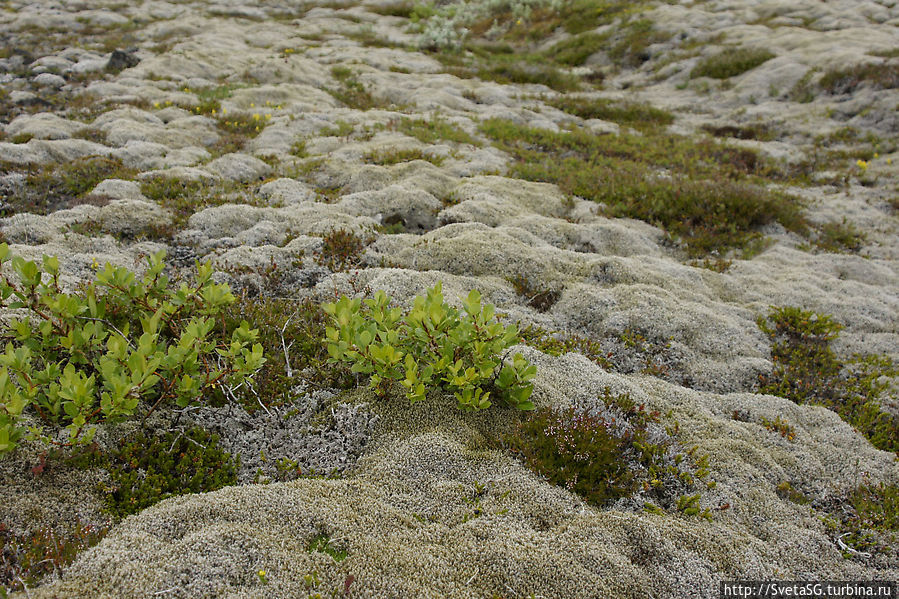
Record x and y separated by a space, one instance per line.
846 547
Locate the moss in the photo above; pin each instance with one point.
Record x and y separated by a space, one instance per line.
731 62
806 370
396 155
701 201
634 114
146 470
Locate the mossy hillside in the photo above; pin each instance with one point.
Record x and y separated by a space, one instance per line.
710 200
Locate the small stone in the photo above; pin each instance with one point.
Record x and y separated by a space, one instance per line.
49 80
120 60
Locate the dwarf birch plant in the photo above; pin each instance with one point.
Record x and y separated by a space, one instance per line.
78 358
432 346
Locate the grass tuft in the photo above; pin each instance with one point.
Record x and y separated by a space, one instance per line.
731 62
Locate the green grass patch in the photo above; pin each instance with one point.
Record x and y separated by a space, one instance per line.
806 370
53 187
759 132
706 199
731 62
575 50
391 156
351 92
184 198
434 130
634 114
396 9
846 81
631 49
840 237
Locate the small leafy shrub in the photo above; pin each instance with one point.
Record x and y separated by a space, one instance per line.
290 332
145 470
631 49
806 370
731 62
614 450
865 521
25 560
779 425
76 359
432 346
342 250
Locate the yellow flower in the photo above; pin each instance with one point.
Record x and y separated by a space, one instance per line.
889 161
861 164
95 265
252 105
256 116
224 111
268 116
876 155
155 104
261 572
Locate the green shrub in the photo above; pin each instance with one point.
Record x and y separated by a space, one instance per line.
576 450
612 450
806 370
432 346
145 470
731 63
77 358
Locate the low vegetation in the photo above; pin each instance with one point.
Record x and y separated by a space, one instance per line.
432 346
707 200
614 450
731 62
78 359
806 370
49 188
633 114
